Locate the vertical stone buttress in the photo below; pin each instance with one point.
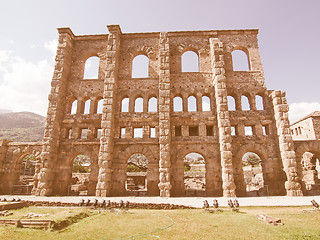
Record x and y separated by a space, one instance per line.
104 184
225 139
50 149
286 145
164 116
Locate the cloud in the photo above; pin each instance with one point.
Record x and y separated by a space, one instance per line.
52 46
24 86
302 109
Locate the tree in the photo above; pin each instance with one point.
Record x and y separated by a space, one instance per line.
251 159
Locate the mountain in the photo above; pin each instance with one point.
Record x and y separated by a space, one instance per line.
22 126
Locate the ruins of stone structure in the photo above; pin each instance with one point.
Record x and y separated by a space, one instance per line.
193 113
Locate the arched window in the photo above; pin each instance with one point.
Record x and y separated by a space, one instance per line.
259 102
231 103
177 104
87 107
74 107
240 61
152 105
192 104
138 104
125 105
190 62
91 69
100 106
245 105
140 67
206 104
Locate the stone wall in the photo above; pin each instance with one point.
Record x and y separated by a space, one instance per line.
167 135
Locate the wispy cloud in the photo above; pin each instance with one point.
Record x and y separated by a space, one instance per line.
24 85
302 109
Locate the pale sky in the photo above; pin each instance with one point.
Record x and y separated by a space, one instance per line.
289 37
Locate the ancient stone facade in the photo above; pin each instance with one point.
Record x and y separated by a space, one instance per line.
222 135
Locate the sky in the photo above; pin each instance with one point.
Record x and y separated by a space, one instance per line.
289 33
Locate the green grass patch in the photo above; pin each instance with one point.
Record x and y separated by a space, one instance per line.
187 224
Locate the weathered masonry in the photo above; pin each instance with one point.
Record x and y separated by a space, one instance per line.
214 111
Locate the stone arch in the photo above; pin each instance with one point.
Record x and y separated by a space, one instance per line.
258 149
190 60
307 158
91 67
140 64
241 62
212 166
152 171
152 103
92 176
125 104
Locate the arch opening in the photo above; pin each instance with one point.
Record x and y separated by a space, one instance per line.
24 172
206 106
91 69
152 105
259 102
100 106
82 182
245 104
231 103
87 107
138 104
125 105
253 175
74 106
177 104
192 104
136 182
140 67
194 175
310 172
240 61
190 62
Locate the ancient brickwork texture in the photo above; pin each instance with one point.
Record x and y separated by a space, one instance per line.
215 110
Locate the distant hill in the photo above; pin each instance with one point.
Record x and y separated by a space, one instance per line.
22 126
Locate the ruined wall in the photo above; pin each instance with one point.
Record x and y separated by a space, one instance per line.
218 134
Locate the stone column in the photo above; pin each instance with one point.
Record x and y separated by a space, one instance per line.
286 145
164 116
49 155
104 184
225 139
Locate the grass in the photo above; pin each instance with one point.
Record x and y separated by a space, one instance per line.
187 224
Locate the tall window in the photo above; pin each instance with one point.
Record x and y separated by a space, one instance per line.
140 67
206 104
245 105
87 107
231 103
192 104
259 102
190 62
74 107
91 69
240 61
152 105
125 105
138 104
100 106
177 104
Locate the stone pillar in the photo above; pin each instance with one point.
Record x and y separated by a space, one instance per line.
49 155
286 145
104 184
164 116
225 139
